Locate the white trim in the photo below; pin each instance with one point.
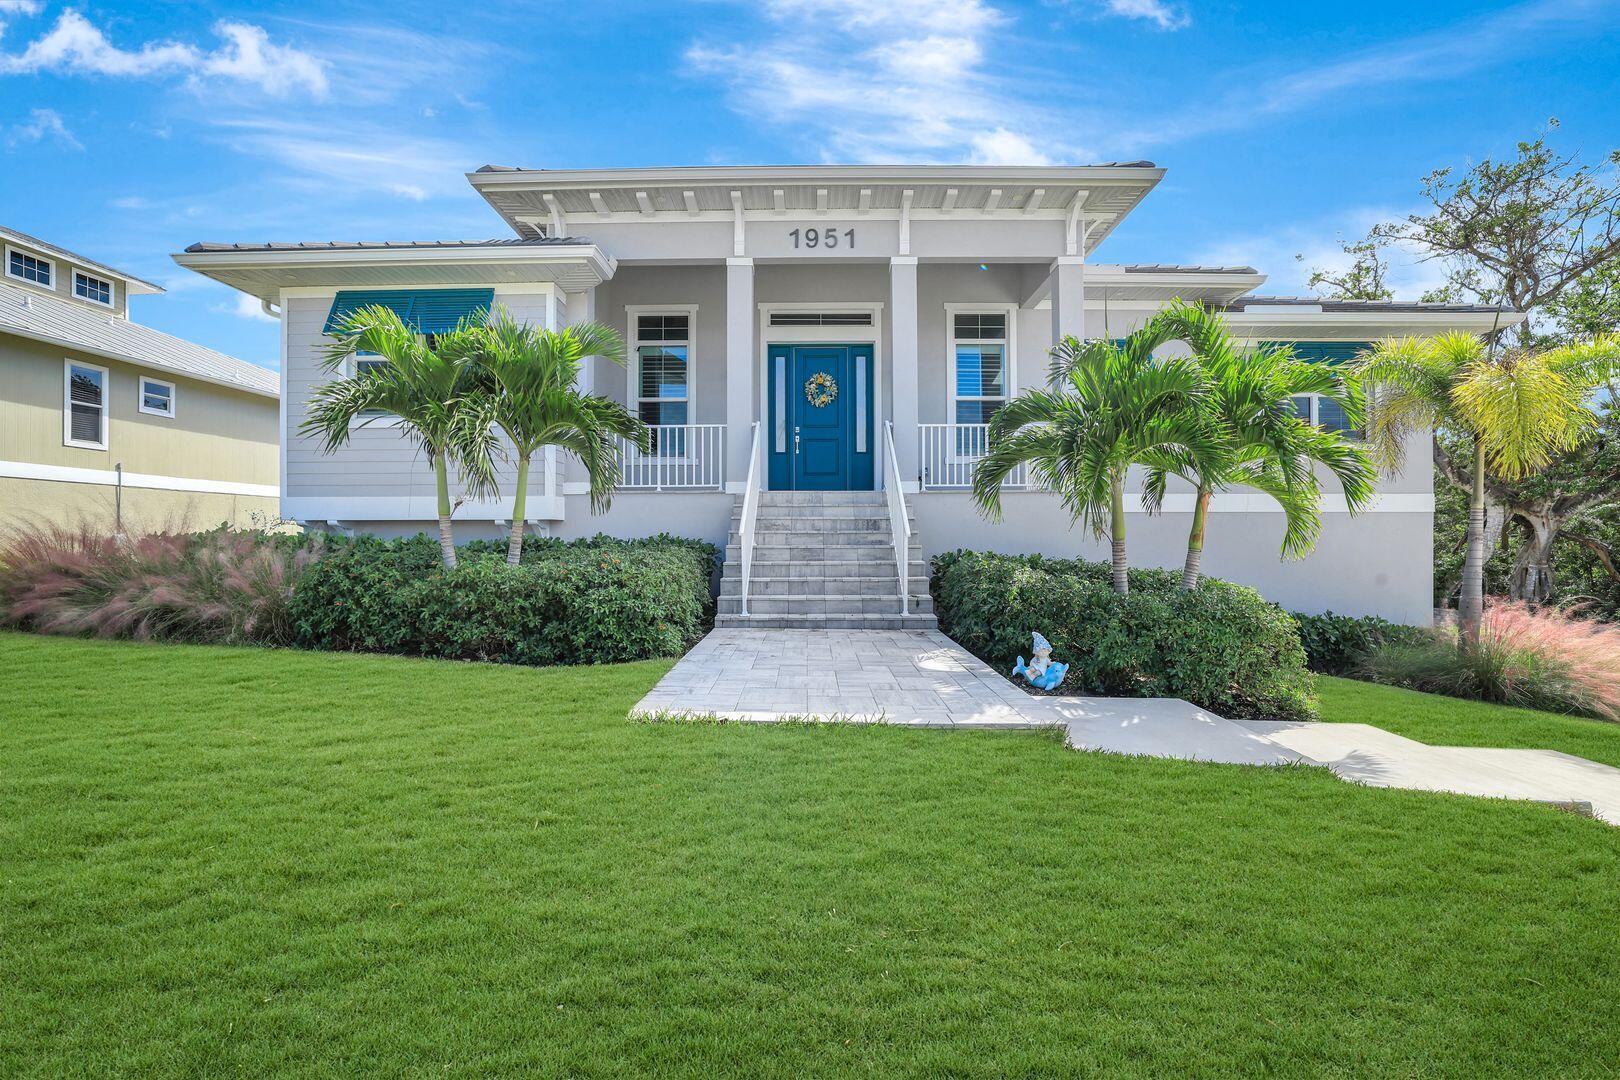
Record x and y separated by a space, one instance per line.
67 405
833 335
414 508
49 286
632 373
282 437
1009 377
1238 502
112 289
140 397
30 470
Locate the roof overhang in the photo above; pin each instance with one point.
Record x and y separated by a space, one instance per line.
133 286
264 273
1262 322
547 201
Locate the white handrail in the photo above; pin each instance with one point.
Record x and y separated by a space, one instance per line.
750 513
898 525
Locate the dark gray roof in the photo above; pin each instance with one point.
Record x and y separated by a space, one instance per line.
371 245
1172 268
1093 165
1245 302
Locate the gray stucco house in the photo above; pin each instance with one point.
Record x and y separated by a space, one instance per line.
819 348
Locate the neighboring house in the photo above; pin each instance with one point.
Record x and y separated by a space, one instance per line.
109 423
827 328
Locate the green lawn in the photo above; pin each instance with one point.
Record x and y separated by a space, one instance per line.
218 861
1444 721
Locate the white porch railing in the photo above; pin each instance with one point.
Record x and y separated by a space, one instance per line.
948 454
899 525
684 457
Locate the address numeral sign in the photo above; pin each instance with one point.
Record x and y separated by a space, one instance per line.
823 239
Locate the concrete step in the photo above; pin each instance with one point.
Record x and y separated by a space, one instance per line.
844 562
823 498
827 622
783 585
805 510
768 547
818 525
799 538
804 604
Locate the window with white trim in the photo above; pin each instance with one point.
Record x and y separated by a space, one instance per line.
979 365
157 397
84 405
30 268
91 288
663 374
1325 413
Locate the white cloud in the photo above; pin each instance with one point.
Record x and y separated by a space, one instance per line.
246 307
41 124
924 92
77 46
21 7
365 159
1165 16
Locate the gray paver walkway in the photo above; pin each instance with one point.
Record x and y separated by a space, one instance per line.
924 679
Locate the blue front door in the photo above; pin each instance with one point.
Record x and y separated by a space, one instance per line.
820 424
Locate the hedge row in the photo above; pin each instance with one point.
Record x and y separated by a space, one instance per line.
586 601
1340 644
1220 646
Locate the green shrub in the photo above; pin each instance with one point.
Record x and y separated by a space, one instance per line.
1338 644
585 601
1220 646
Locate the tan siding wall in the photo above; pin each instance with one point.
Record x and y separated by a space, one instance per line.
217 433
52 502
62 279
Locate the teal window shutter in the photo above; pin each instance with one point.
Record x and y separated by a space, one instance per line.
427 311
1325 352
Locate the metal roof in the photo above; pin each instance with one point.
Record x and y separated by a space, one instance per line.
30 314
369 245
1394 306
1176 268
132 283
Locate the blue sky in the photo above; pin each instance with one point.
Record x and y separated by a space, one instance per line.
130 130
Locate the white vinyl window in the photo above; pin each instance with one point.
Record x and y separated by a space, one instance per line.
1324 413
91 288
84 405
661 376
34 269
980 355
157 397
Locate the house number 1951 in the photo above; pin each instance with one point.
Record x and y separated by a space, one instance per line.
822 238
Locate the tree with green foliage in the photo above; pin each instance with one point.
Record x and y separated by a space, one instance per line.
424 387
1518 409
1254 436
1107 407
1363 279
527 378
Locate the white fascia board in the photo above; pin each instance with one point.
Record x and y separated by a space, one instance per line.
134 361
525 179
66 474
1370 322
413 508
344 257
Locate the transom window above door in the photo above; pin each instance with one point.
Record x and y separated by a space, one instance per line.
980 364
661 379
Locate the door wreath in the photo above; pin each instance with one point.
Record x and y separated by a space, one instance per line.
820 390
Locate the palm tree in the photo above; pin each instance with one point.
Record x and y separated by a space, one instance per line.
1518 408
1256 439
427 393
1108 406
528 375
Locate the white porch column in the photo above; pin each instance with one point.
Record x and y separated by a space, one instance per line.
1068 298
741 395
903 362
580 307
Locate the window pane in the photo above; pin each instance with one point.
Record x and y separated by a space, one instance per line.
155 396
364 364
1330 417
1302 407
663 371
980 371
85 386
92 288
661 327
976 412
30 269
86 423
981 326
663 412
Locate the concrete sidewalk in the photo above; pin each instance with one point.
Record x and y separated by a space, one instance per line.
924 679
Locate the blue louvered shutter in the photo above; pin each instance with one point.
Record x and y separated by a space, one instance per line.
1328 352
427 311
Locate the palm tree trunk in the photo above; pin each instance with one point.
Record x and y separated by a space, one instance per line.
1471 604
1116 510
1195 541
447 537
514 546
